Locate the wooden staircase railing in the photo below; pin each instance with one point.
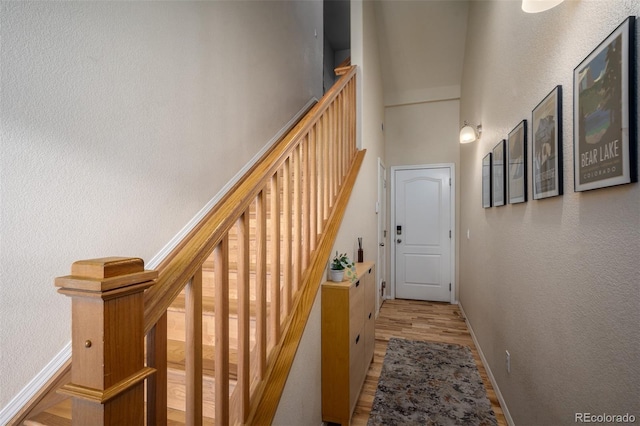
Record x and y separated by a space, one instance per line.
276 229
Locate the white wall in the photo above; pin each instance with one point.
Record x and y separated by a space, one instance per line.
360 217
553 281
422 133
120 121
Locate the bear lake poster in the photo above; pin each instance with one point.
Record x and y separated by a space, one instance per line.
546 146
604 136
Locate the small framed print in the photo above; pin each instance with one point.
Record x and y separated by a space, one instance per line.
546 146
498 180
604 113
517 163
486 181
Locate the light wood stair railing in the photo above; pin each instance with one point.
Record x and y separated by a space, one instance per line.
252 267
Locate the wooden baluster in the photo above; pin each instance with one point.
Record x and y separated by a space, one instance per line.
313 191
275 252
221 302
193 349
306 201
320 173
261 283
286 225
107 370
157 383
244 321
340 129
326 170
332 160
261 266
352 85
297 219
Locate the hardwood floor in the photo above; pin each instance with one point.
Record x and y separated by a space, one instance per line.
435 322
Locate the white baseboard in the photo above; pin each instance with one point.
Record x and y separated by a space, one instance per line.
22 398
16 404
503 404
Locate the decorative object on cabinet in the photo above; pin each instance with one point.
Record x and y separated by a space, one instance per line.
517 163
486 181
340 265
360 251
348 341
498 180
546 146
604 113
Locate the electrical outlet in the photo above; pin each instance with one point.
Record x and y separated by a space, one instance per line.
508 361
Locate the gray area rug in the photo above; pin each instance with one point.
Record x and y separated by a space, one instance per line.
425 383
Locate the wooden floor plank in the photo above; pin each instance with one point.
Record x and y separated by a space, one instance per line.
416 320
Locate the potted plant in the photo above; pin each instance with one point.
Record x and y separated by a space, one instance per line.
339 265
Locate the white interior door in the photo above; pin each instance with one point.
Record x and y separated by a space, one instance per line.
422 233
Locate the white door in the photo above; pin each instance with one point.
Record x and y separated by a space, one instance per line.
381 209
422 233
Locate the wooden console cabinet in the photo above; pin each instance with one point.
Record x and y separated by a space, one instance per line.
348 341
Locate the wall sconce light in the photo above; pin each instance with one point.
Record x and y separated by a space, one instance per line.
535 6
469 134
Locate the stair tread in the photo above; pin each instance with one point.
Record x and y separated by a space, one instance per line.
176 359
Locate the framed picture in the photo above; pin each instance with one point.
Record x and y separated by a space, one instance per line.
604 140
486 181
546 146
498 180
517 163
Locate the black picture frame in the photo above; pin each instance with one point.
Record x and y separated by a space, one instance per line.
517 163
546 146
498 178
486 181
604 113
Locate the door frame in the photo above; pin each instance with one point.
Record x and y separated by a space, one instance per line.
382 221
452 205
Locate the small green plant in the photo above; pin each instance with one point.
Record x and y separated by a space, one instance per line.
342 262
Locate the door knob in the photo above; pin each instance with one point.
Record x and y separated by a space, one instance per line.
399 240
381 244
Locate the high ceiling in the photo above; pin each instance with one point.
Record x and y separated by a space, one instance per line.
421 45
421 48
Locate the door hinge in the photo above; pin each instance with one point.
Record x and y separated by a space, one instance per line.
449 233
449 286
449 181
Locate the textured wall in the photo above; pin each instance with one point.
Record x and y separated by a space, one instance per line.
120 121
554 281
422 133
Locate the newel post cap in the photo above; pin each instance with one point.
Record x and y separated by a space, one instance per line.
104 275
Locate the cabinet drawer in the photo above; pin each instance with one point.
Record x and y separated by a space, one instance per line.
356 308
356 367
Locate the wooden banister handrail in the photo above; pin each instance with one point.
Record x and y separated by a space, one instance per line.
262 251
184 263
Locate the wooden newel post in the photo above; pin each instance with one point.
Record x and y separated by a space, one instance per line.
107 368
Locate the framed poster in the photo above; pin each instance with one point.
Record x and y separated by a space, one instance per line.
517 163
498 180
604 115
546 146
486 181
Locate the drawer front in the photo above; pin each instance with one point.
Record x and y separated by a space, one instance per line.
357 369
356 309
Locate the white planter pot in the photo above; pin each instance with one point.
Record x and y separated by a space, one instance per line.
336 275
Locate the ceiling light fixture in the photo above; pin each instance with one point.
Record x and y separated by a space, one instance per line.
535 6
469 134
